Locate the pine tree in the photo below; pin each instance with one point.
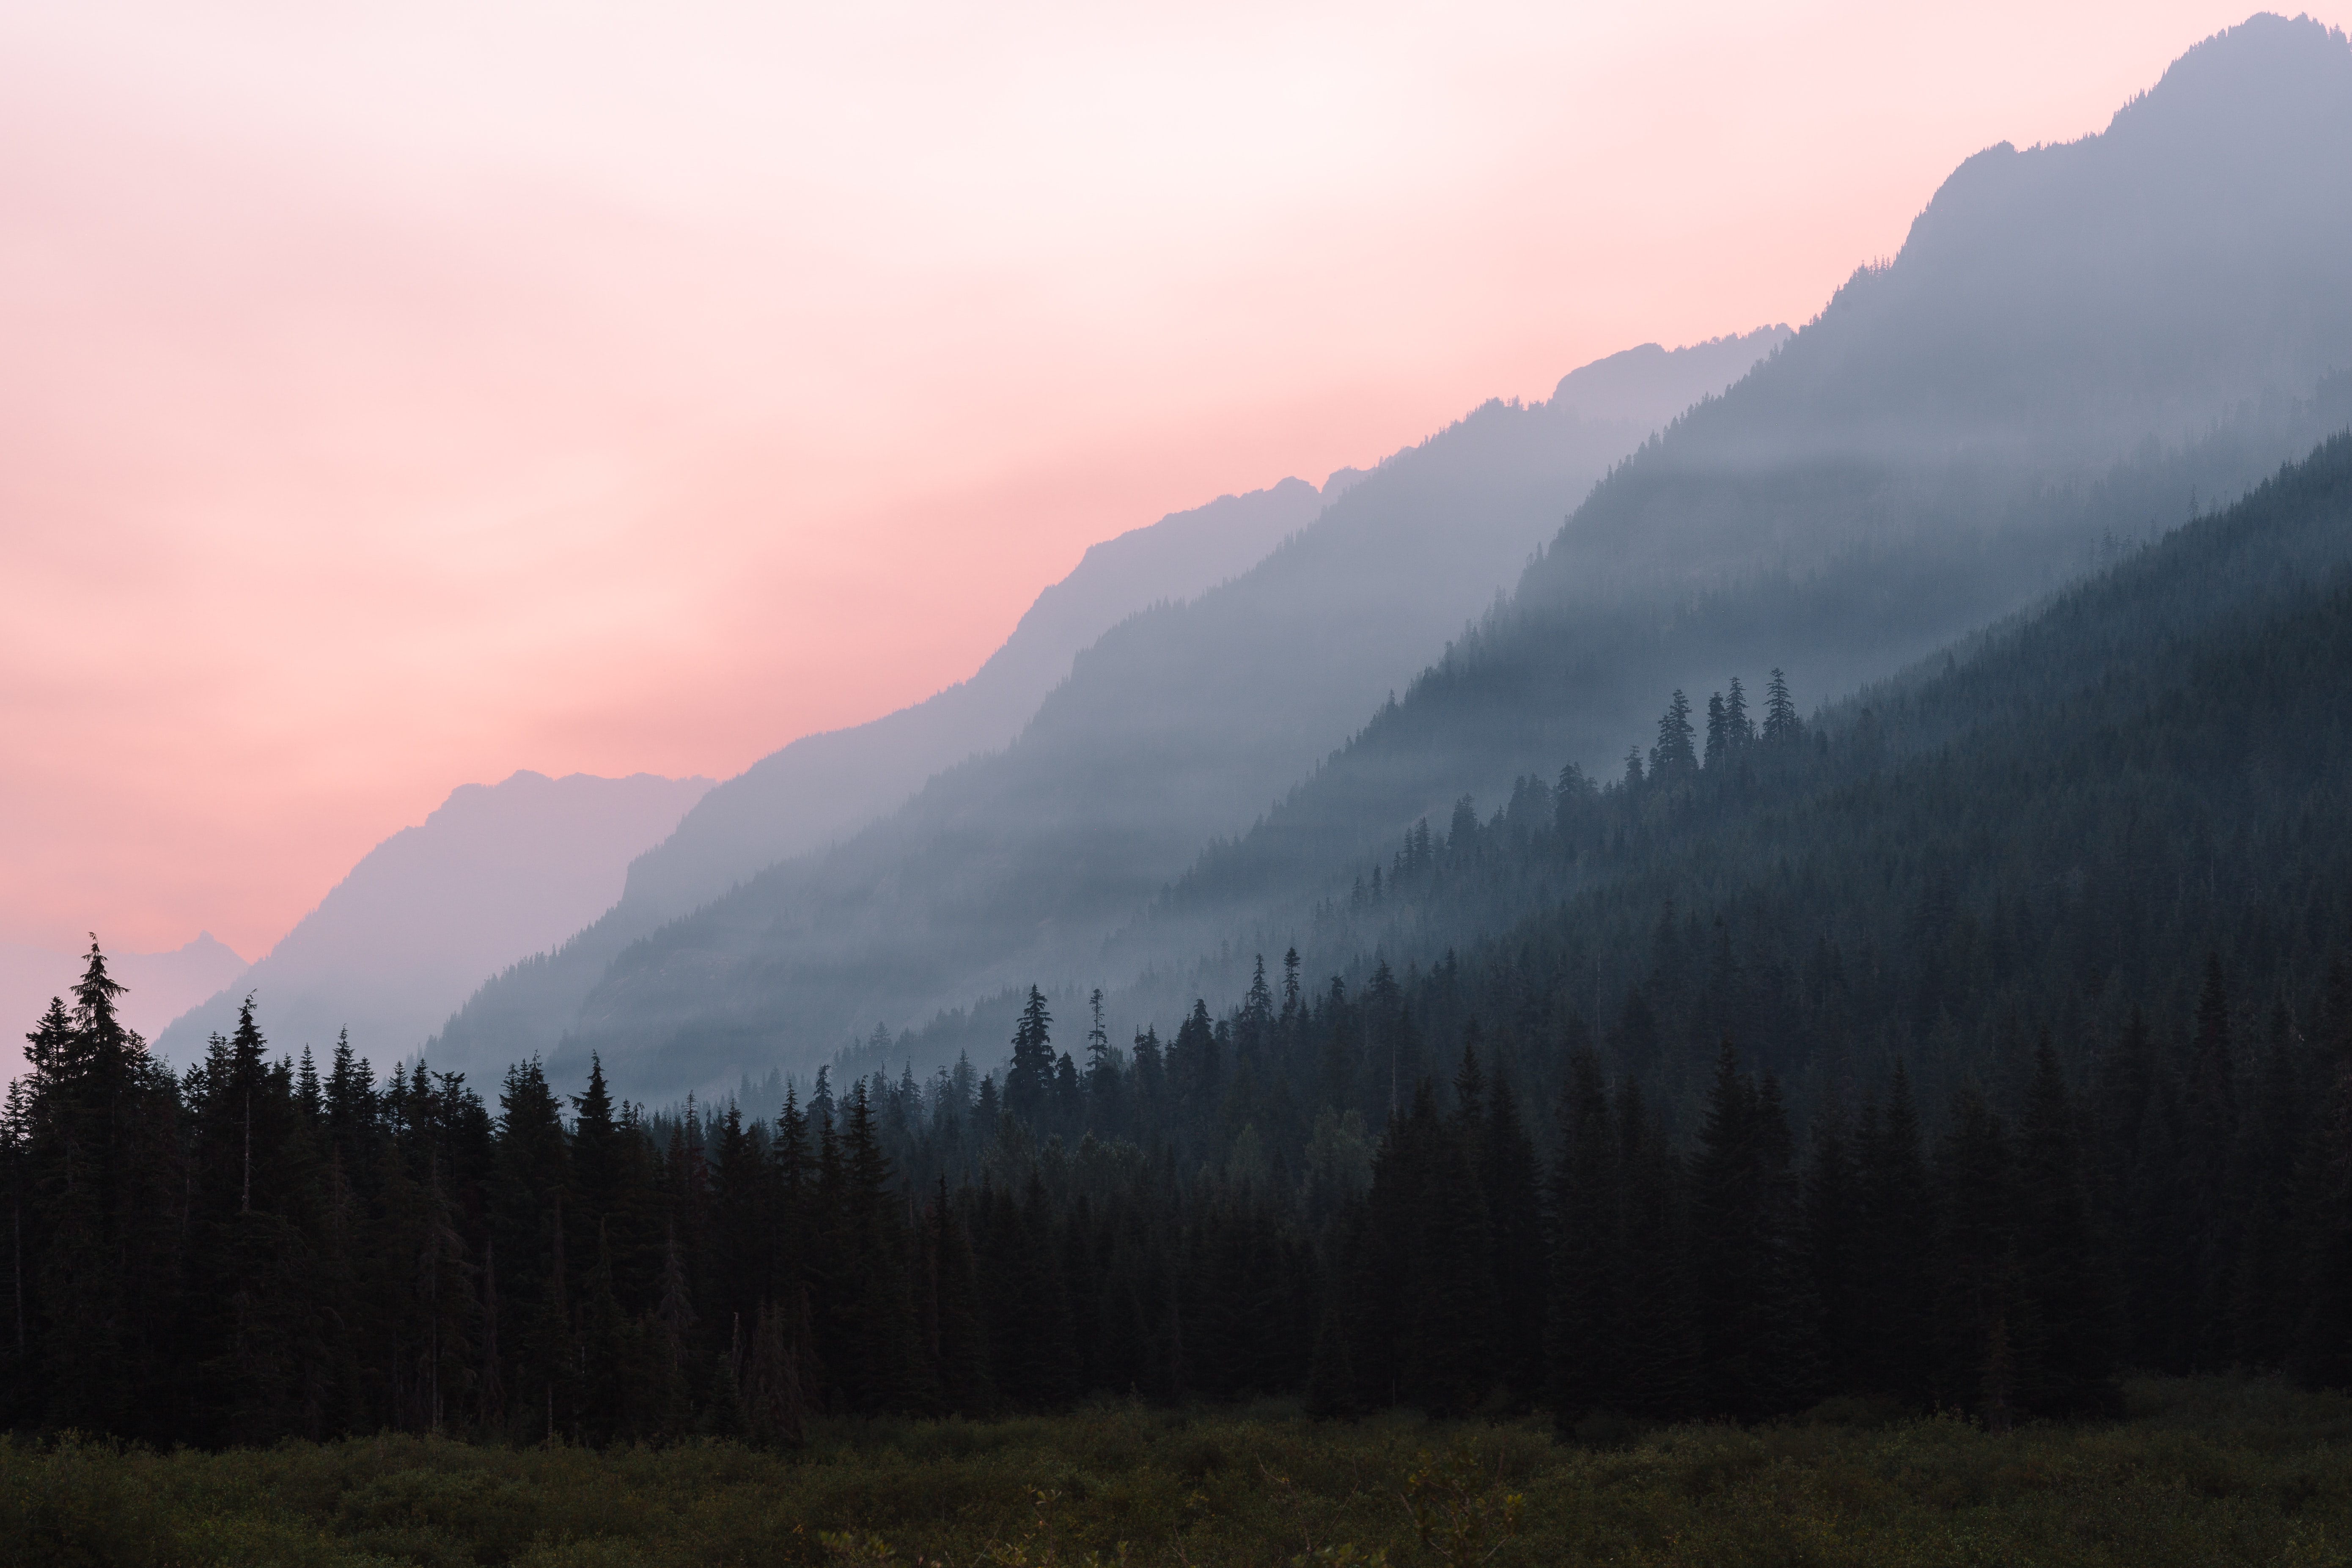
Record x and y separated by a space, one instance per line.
1780 723
2321 1357
1674 756
2265 1294
1833 1249
1582 1322
1194 1070
1511 1181
1893 1277
102 1248
1751 1319
2208 1136
1097 1041
1978 1320
1738 729
959 1349
1030 1080
1658 1343
1258 1014
2068 1335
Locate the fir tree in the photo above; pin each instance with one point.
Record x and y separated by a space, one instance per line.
1582 1322
1029 1080
1674 756
1780 723
2068 1332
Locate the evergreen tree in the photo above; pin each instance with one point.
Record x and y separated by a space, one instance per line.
2323 1345
1753 1330
1029 1081
1833 1249
1780 723
1658 1338
1738 729
1098 1040
2209 1137
1582 1322
2067 1334
1897 1224
1979 1318
1511 1182
1674 756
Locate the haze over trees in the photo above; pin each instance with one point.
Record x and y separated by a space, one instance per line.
1827 1087
494 874
822 787
2049 371
1865 929
1172 727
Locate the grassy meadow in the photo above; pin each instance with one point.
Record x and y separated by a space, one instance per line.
2201 1471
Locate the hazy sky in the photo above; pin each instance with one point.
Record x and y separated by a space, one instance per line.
394 397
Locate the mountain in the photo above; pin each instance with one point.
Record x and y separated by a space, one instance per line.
2053 821
497 872
2045 375
1951 1052
824 786
1178 724
2052 366
161 985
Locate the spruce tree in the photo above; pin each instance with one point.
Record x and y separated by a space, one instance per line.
1582 1319
1511 1181
1738 729
1658 1343
1780 723
1674 756
1833 1249
2067 1336
2323 1344
2208 1138
1893 1274
2265 1288
1029 1081
1979 1324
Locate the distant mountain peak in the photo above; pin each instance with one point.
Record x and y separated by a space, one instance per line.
2268 67
207 944
493 875
1649 383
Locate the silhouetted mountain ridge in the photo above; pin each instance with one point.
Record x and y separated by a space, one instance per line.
1173 726
495 872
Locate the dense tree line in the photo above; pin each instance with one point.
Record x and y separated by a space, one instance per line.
251 1249
1984 1038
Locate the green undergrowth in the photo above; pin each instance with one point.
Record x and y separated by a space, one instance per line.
2201 1471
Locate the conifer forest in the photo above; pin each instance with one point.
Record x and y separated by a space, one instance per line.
1816 1030
1818 1092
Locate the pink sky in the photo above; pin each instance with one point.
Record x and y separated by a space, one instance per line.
397 396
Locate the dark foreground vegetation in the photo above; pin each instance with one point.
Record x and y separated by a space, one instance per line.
1964 1054
2201 1471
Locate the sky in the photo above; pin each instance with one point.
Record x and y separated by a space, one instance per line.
393 398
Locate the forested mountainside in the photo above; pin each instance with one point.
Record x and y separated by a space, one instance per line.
1169 730
1984 1038
818 788
1510 703
494 873
1959 433
822 787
